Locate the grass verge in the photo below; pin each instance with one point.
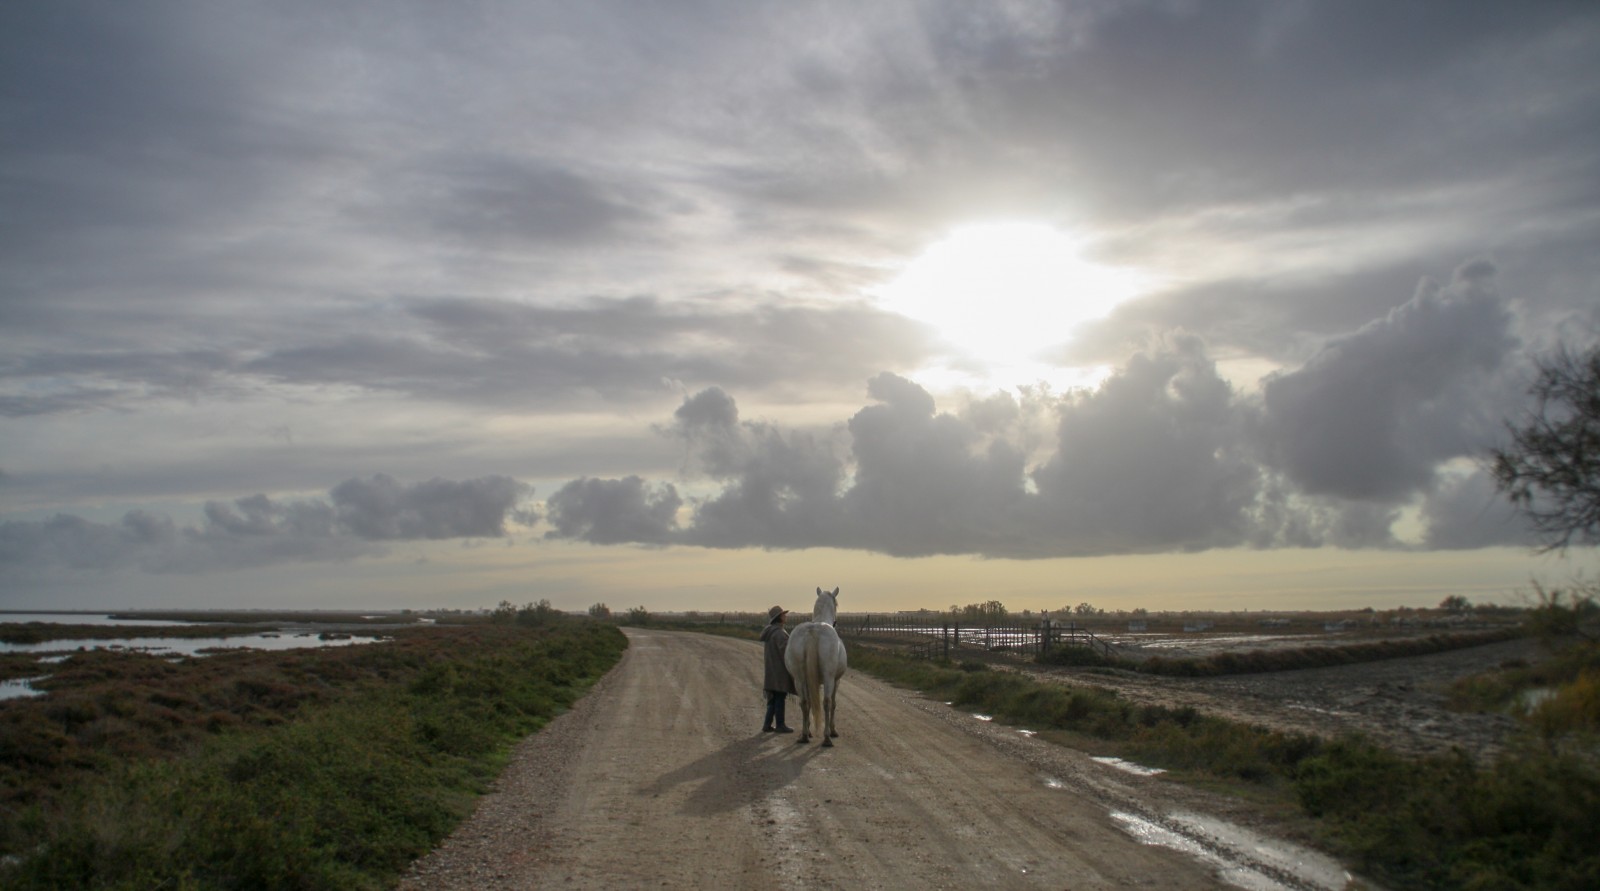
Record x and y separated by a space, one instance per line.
307 769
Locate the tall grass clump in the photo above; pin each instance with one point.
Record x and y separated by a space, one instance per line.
338 768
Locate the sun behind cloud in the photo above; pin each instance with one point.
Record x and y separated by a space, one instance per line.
1001 293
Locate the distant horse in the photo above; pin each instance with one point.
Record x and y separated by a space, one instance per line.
816 661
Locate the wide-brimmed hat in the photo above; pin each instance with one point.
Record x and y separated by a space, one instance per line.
775 614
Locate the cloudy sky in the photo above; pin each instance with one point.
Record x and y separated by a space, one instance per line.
700 305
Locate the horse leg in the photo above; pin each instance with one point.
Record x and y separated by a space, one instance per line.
805 720
827 731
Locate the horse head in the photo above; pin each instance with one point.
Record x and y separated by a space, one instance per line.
826 609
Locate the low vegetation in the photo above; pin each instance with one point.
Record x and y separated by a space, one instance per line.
313 768
1557 696
1525 821
1287 659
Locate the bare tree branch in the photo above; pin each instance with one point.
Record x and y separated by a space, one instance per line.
1551 469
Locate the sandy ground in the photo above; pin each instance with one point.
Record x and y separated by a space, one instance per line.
660 778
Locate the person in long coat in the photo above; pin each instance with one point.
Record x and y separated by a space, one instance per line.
777 683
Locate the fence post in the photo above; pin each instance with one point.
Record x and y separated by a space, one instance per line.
1044 638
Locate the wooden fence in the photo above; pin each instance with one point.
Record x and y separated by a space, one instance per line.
944 640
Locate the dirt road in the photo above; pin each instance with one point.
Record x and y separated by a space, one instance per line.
660 778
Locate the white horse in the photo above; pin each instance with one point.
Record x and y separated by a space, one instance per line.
816 661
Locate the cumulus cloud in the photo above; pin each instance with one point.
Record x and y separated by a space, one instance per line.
382 509
1466 511
776 485
928 482
257 530
1158 457
1150 461
1164 455
615 511
1375 412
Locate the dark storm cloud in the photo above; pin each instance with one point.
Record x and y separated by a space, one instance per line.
1466 511
260 531
1255 99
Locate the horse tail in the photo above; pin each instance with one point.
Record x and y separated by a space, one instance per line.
813 678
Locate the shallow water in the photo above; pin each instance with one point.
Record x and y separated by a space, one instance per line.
60 650
186 646
18 688
1128 766
1242 858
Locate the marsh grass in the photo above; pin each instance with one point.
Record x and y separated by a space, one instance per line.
313 769
1525 821
1568 683
1279 659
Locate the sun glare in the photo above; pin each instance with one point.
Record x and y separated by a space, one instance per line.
1003 292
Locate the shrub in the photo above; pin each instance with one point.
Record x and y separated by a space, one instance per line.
1081 656
1441 822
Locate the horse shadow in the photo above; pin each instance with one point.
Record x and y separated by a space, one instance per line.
741 773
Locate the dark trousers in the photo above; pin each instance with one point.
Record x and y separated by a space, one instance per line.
775 700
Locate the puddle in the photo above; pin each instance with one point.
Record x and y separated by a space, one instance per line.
1029 733
19 688
1152 833
1528 700
984 717
1241 857
1129 766
1319 710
